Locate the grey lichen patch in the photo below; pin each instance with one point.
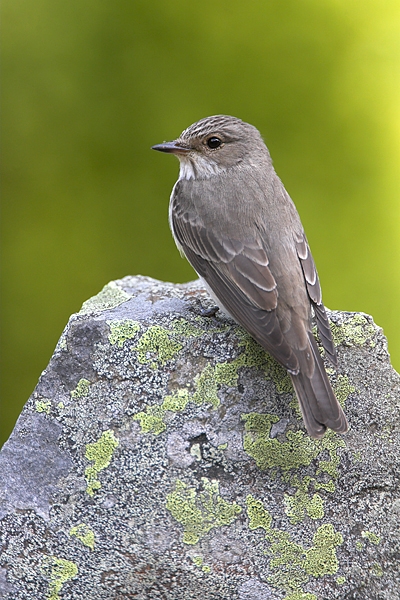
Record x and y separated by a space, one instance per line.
122 330
152 419
292 564
109 297
156 347
355 331
43 406
84 534
200 511
58 571
371 537
100 453
82 389
297 506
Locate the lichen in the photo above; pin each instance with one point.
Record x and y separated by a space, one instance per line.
300 504
359 545
355 331
156 347
152 419
58 571
340 580
292 564
100 453
300 596
81 390
343 389
206 387
372 537
269 452
186 329
109 297
376 570
121 331
200 511
84 534
198 561
43 406
321 559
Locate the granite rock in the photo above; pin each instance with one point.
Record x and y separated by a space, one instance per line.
162 455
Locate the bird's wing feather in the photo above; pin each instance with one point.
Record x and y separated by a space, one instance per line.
314 292
239 275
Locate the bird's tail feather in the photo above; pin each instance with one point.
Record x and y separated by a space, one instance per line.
318 404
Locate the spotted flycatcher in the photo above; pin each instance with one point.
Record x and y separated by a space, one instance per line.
234 221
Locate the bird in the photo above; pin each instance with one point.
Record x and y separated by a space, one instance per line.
234 221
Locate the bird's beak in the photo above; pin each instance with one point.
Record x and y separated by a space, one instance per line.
175 147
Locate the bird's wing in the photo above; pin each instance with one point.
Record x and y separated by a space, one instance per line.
237 272
314 292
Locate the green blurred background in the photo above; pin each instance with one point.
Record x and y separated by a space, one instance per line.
90 85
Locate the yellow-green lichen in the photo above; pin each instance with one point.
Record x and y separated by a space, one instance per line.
300 504
355 331
359 546
200 511
84 534
269 452
60 405
255 356
82 389
223 446
176 402
109 297
152 419
43 406
343 389
206 388
376 570
331 442
156 347
121 331
372 537
100 453
186 329
58 571
258 515
198 561
300 596
321 559
340 580
292 564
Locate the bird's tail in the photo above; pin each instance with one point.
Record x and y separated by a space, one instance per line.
318 404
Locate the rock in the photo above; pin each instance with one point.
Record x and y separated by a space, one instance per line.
162 455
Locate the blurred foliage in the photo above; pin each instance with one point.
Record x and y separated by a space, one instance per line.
89 86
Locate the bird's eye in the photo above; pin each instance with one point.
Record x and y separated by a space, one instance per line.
213 142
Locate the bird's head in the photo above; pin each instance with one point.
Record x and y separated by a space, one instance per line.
214 145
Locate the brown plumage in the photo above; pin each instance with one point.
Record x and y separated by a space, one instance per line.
234 221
